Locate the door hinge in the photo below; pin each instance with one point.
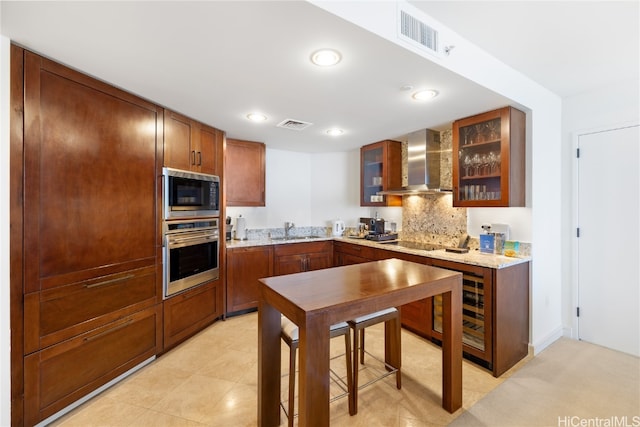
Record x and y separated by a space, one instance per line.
578 232
577 152
577 311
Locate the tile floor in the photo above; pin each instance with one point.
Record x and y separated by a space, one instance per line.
211 380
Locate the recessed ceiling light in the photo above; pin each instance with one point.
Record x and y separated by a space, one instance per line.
326 57
423 95
256 117
335 132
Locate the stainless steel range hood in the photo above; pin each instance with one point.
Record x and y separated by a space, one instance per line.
423 165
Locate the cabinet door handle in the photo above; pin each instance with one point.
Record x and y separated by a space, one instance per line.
193 157
108 282
199 158
114 329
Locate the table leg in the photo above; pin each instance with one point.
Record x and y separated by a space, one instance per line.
268 366
393 347
313 400
452 348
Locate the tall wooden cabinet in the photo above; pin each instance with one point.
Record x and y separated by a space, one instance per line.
92 281
489 159
245 173
380 169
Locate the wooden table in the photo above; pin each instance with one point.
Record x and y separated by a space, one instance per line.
315 300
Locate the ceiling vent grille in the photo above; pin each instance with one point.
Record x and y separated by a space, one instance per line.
418 33
293 124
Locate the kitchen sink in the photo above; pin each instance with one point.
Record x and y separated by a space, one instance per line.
296 238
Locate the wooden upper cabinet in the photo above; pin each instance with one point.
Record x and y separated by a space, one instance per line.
245 173
489 159
190 145
380 169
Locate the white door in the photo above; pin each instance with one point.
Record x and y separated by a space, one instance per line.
609 234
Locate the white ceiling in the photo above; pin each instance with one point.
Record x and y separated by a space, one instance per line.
216 61
569 47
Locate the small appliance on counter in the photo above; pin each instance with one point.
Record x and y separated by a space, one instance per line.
337 228
381 237
228 228
376 226
241 228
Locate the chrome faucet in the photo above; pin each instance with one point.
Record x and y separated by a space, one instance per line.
287 227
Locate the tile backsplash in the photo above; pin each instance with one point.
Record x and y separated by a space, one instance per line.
431 217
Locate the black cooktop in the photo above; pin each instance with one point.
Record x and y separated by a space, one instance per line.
415 245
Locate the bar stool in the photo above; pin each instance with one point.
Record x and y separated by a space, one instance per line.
289 334
358 325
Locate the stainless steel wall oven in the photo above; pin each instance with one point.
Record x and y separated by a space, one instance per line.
190 255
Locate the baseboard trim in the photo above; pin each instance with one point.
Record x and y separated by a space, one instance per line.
545 342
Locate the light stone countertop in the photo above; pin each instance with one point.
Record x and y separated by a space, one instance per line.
473 257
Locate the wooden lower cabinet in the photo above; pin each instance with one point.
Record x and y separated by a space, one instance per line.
244 267
299 257
495 306
495 314
347 254
65 311
58 375
189 312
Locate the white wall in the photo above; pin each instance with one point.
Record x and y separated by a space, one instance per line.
5 332
606 108
311 190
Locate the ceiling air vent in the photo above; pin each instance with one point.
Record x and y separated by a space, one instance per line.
293 124
418 33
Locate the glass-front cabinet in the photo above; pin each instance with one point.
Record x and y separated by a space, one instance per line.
380 170
489 169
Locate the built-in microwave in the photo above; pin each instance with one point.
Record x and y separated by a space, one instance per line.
190 194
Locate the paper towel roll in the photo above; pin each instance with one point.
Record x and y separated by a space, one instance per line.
241 228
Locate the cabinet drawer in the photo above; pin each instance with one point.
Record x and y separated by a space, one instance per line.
189 312
63 312
303 248
356 250
63 373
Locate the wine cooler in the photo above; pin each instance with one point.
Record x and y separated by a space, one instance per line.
473 312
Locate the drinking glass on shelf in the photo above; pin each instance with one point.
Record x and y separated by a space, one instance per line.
475 161
493 127
467 165
466 138
484 162
479 134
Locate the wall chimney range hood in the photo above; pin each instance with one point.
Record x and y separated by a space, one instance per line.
423 165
